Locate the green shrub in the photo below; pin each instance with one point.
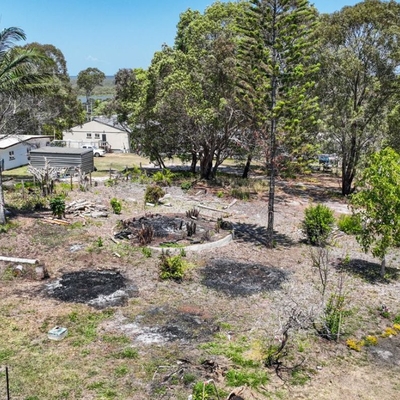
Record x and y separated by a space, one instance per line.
153 194
350 224
163 177
240 193
172 267
318 224
116 205
186 185
57 205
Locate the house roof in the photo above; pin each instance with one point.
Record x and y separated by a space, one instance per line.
11 140
61 150
97 126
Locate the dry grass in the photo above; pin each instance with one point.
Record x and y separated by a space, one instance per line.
176 335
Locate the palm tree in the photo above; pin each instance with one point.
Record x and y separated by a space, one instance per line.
20 74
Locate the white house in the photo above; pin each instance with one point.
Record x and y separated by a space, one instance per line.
15 149
112 137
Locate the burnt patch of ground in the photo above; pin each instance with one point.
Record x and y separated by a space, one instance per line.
368 271
169 228
167 324
386 352
241 279
97 288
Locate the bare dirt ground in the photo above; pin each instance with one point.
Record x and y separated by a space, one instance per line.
240 290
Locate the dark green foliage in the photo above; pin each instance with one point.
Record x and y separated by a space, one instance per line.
153 194
350 224
116 205
172 267
57 205
318 224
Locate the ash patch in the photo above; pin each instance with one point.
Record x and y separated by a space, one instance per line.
242 279
386 352
165 324
99 289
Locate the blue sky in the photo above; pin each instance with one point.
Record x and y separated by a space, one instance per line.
108 34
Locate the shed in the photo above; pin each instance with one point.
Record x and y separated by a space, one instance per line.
63 157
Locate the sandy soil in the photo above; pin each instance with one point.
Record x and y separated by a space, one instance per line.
243 285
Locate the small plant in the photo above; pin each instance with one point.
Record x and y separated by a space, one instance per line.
318 224
388 332
99 242
240 193
153 194
116 205
333 317
220 194
57 205
371 340
172 267
163 177
354 344
146 252
350 224
129 352
186 185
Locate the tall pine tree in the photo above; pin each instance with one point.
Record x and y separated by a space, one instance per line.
276 69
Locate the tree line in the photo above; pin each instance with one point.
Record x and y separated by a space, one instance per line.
272 79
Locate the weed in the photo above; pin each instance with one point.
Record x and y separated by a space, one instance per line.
220 194
57 205
99 242
251 378
146 251
186 185
116 205
299 377
8 226
188 378
121 370
129 352
241 194
355 344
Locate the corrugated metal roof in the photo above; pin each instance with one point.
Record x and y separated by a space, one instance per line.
63 157
7 141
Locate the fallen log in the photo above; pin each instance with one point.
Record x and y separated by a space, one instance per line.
212 209
19 260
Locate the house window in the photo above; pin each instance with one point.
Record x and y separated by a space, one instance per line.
88 135
11 154
97 135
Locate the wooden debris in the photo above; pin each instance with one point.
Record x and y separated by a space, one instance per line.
56 221
211 208
19 260
86 208
230 204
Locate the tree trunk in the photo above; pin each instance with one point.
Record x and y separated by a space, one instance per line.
193 163
206 164
383 267
246 170
2 208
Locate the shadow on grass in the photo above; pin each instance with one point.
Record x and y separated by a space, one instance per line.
368 271
257 234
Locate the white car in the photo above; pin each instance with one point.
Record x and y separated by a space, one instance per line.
96 151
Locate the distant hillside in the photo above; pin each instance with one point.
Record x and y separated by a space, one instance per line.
108 87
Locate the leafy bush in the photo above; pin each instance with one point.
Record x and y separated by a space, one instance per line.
153 194
350 224
57 205
318 224
116 205
163 177
186 185
172 267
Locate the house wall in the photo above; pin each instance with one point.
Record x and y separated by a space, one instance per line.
117 140
17 155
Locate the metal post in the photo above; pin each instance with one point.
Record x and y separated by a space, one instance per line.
7 384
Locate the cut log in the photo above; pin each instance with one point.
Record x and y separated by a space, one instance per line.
212 209
19 260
